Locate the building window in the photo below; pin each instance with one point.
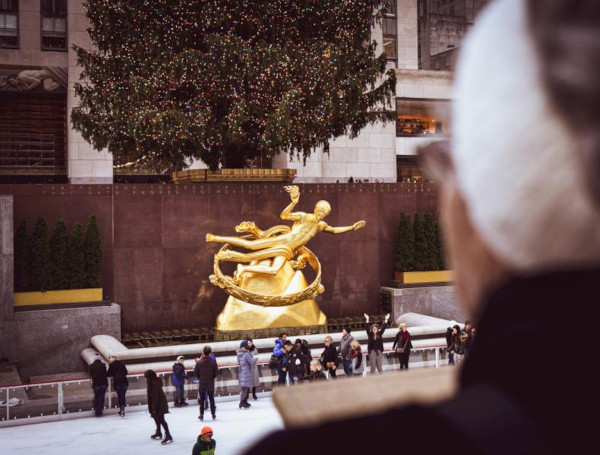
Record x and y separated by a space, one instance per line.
9 23
54 25
408 170
419 118
390 32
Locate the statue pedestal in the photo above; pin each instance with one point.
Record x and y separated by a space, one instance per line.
239 316
240 319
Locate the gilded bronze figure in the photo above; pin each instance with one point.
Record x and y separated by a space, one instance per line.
270 274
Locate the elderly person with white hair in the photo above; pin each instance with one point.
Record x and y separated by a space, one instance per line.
520 200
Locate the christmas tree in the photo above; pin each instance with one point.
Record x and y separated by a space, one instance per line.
228 81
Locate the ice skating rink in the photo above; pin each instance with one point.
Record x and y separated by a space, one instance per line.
234 430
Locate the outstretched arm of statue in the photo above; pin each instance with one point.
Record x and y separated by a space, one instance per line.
342 229
287 213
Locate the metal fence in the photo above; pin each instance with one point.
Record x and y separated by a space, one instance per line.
60 400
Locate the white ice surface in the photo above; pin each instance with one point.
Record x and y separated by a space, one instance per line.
234 430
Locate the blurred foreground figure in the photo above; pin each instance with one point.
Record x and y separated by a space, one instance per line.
520 197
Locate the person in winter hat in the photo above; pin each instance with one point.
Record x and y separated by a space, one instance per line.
205 445
206 371
179 378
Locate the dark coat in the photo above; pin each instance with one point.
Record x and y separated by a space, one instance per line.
507 403
329 354
206 371
345 347
98 373
157 400
401 342
179 375
317 376
118 371
375 343
204 448
294 361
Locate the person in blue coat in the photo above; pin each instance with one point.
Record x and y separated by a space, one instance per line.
179 378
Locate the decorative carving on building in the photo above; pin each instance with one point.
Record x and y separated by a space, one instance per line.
47 79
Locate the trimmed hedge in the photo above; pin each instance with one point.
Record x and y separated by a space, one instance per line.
61 262
419 245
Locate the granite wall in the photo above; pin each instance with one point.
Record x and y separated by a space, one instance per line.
436 301
6 269
50 340
156 260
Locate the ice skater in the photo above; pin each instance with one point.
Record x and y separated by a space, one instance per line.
246 362
157 406
206 371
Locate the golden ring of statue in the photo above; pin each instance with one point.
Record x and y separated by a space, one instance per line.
310 292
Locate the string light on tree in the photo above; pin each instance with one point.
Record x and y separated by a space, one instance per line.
228 81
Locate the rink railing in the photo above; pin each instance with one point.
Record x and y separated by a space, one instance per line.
38 402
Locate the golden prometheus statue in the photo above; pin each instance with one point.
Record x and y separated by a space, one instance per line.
268 288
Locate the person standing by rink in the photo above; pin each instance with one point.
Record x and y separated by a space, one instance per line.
403 345
179 378
157 405
246 361
293 360
99 384
469 339
279 353
358 366
345 350
375 344
255 376
205 445
118 372
206 371
449 333
456 348
329 357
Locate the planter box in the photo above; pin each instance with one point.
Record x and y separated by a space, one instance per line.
234 175
437 276
23 299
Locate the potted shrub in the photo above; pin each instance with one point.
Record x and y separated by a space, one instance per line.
61 270
419 251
